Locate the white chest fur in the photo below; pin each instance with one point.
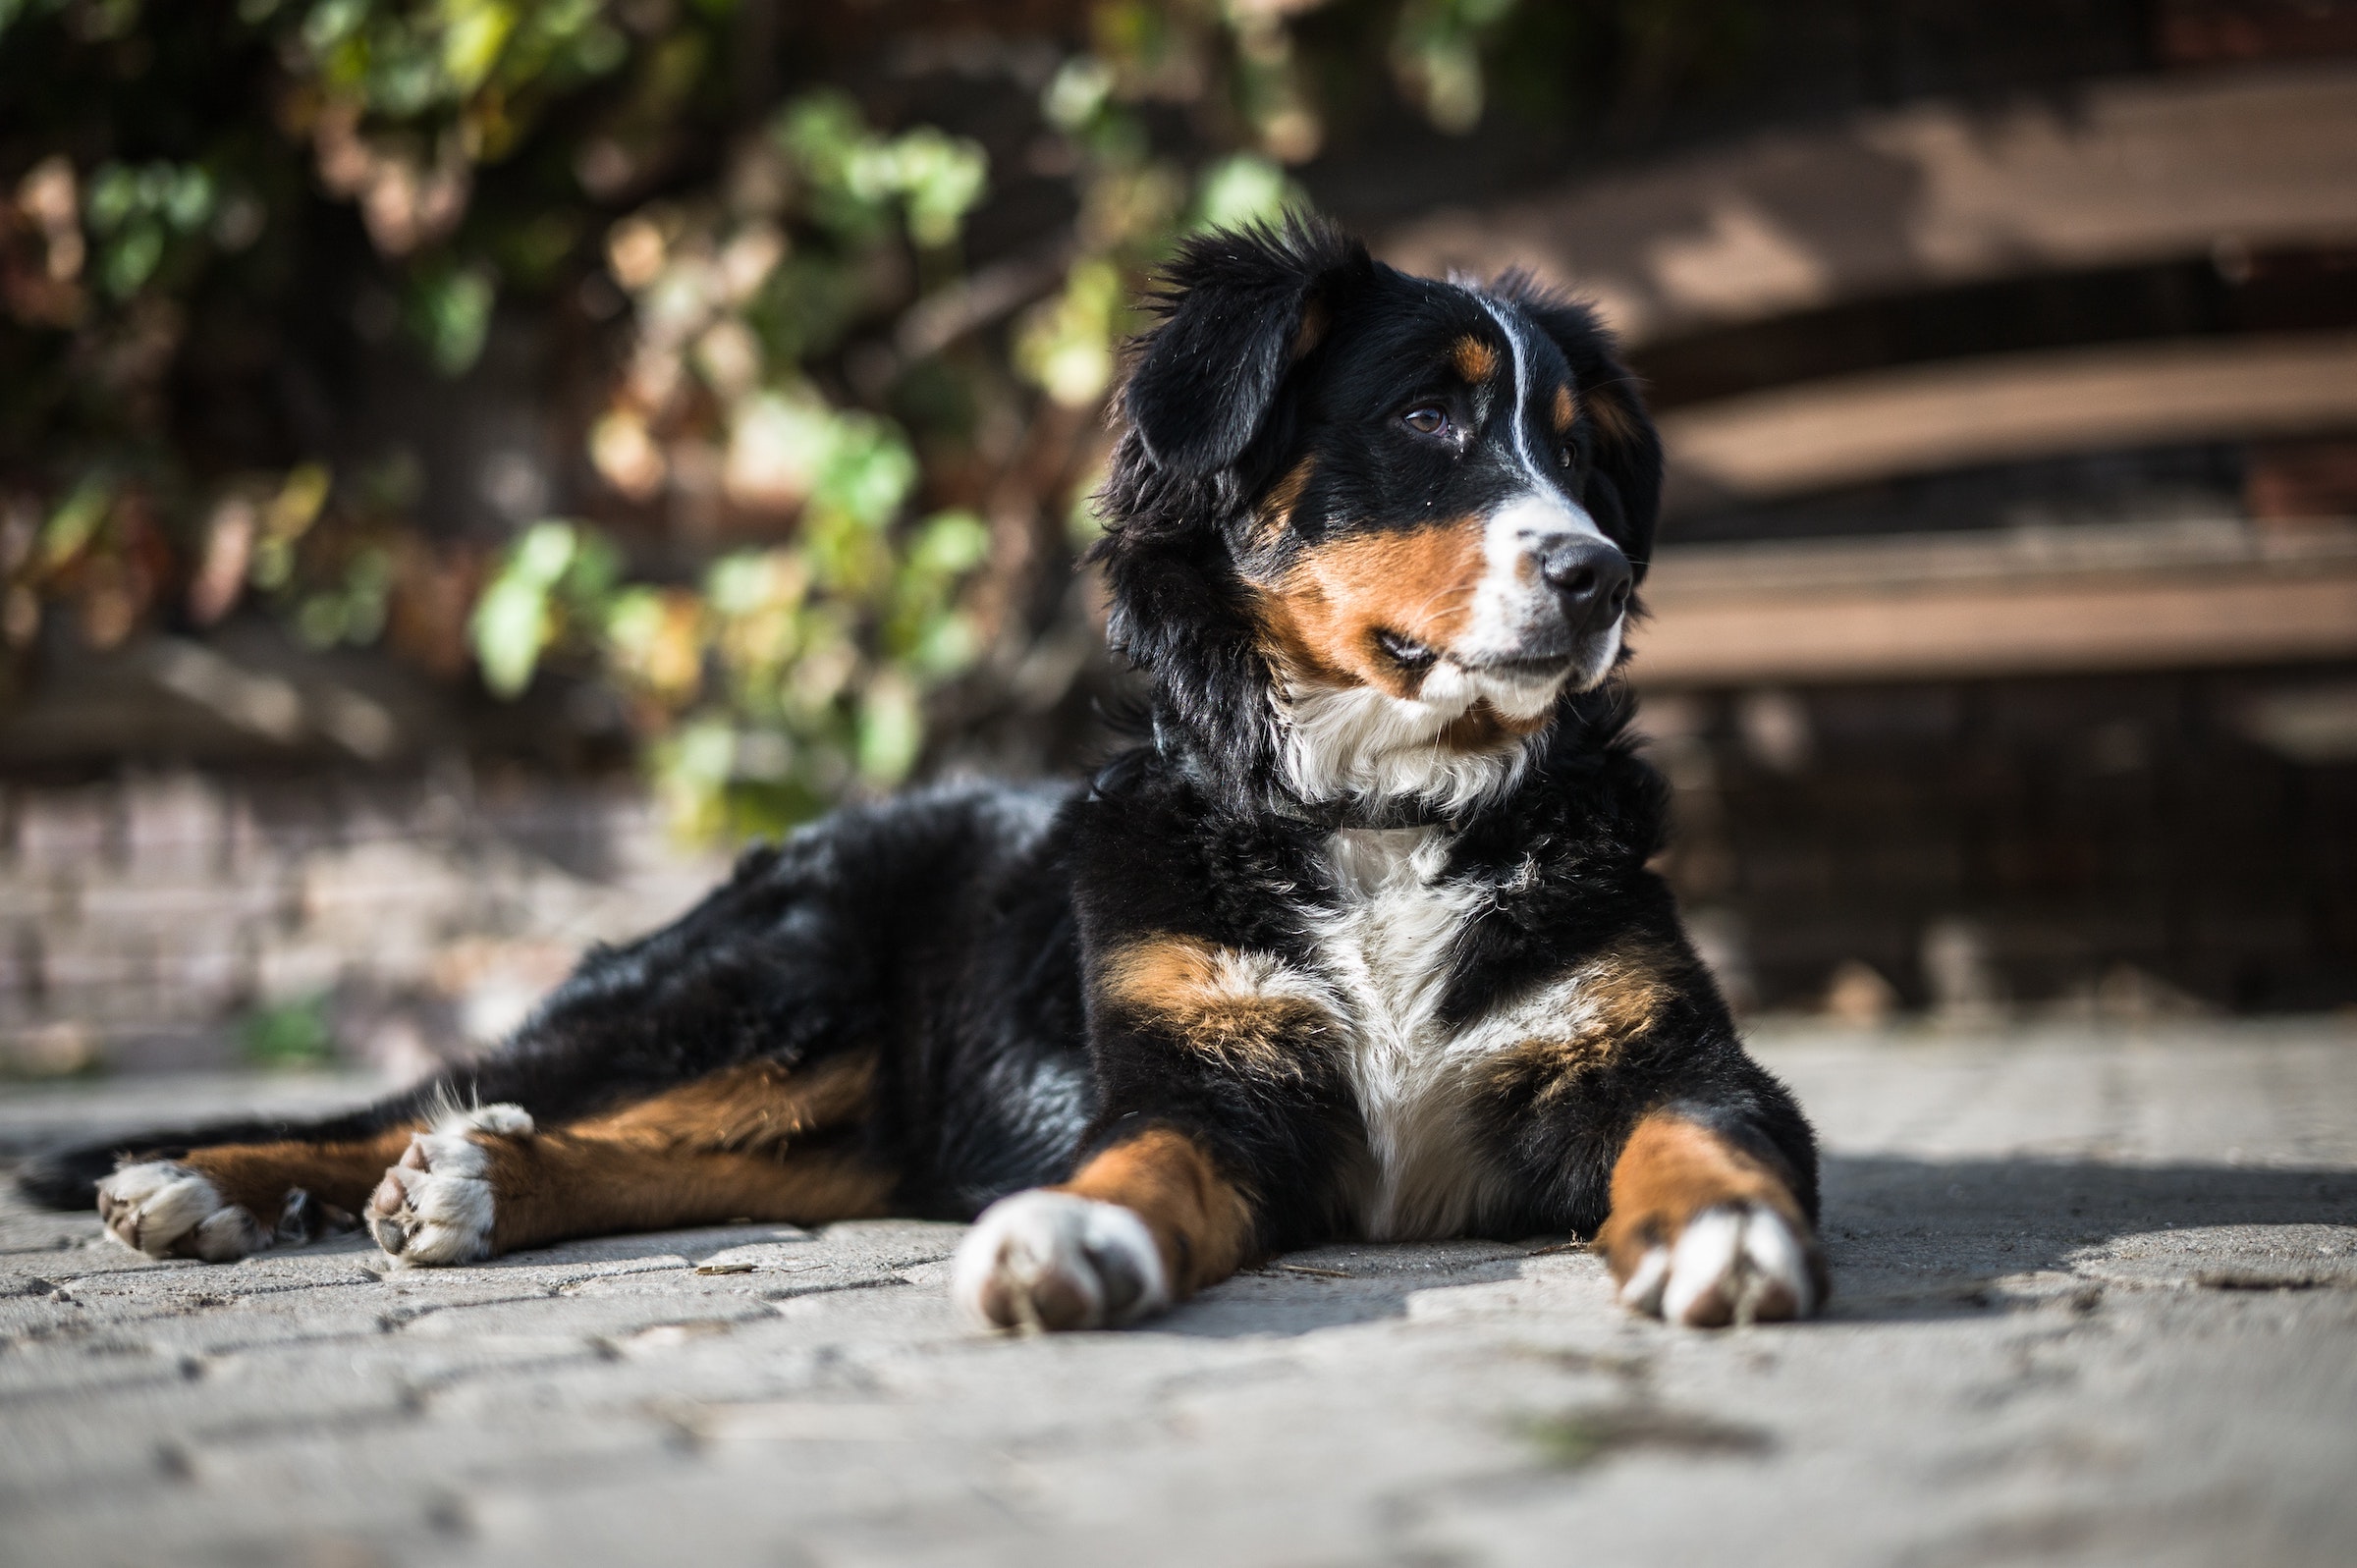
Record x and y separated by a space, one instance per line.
1385 950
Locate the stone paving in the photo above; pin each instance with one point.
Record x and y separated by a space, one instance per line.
2097 1303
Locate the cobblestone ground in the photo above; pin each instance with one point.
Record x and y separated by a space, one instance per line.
2097 1303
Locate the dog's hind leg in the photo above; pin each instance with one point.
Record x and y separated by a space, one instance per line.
757 1142
224 1201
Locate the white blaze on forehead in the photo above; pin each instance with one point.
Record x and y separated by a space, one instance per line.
1518 341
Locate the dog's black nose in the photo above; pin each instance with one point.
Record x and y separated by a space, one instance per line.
1592 578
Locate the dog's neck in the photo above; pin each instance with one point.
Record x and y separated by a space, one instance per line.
1366 754
1366 757
1279 790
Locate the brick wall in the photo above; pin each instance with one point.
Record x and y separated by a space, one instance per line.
146 921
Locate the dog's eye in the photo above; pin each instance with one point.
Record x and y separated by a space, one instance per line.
1406 652
1427 419
1576 453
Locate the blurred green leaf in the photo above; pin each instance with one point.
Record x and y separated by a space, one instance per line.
450 314
511 622
1435 53
892 729
950 544
509 626
941 179
71 525
868 473
1245 188
474 31
290 1035
857 174
1066 346
1076 93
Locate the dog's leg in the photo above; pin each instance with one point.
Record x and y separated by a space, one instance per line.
223 1203
470 1192
1144 1224
1703 1233
1169 1204
749 1142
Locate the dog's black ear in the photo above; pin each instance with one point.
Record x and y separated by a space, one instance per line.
1624 488
1239 307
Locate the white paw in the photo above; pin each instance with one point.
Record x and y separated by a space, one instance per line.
509 1122
166 1210
1050 1260
1734 1264
436 1206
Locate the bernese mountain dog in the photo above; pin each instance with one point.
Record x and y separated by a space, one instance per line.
1358 941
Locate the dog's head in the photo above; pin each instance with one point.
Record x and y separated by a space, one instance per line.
1417 510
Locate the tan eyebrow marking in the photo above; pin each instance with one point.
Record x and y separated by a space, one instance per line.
1614 417
1566 410
1474 359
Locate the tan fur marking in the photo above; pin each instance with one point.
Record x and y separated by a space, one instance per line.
257 1176
1322 616
1217 1001
1482 728
723 1147
1672 1169
1474 359
1620 995
1201 1222
1566 410
1315 318
557 1186
1608 404
757 1105
1275 511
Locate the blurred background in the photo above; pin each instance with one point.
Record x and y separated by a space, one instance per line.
465 465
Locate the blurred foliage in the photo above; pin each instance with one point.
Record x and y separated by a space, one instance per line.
789 394
290 1036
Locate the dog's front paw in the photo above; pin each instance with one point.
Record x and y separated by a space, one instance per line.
1733 1263
1050 1260
166 1210
436 1207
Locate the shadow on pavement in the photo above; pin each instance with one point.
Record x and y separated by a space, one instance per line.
1912 1237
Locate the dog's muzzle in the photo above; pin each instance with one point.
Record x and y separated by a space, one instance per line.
1553 599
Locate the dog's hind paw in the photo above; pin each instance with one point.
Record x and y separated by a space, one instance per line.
1732 1264
436 1206
166 1210
1051 1259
